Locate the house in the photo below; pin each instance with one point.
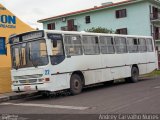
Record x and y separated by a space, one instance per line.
134 17
9 24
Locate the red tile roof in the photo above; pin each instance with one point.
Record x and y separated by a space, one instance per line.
87 10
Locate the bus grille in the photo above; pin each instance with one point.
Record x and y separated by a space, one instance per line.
28 76
28 81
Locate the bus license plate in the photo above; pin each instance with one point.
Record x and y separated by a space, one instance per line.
27 87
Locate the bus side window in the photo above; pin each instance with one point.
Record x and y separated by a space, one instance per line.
106 44
132 45
149 45
73 45
90 45
142 45
120 44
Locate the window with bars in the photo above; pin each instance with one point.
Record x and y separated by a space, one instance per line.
90 45
106 45
88 19
121 13
73 45
51 26
149 45
132 44
142 45
122 31
120 44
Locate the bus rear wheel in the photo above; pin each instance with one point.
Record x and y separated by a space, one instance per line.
75 84
134 75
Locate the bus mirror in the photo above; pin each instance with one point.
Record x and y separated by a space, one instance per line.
54 43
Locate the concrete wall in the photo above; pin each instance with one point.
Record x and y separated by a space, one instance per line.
5 61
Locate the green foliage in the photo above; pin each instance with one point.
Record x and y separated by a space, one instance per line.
152 74
100 30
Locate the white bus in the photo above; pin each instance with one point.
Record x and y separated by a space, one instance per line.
49 60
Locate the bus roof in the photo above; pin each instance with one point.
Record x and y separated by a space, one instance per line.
77 32
90 33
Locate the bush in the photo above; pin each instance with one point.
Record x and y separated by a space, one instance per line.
100 30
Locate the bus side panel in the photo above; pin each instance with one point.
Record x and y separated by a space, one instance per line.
106 72
82 63
142 68
89 64
128 71
59 82
98 75
114 60
89 77
151 67
121 72
138 59
106 75
117 64
132 58
142 57
151 60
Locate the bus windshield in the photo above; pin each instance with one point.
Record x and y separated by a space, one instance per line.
29 54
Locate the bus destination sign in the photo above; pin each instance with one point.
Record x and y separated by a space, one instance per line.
32 36
54 36
26 37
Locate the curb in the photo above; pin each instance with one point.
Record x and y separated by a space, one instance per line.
4 99
14 96
19 96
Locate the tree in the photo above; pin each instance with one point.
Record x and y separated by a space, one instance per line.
100 30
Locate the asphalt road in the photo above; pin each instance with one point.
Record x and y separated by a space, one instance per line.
121 98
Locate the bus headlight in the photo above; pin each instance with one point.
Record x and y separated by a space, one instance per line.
41 80
14 82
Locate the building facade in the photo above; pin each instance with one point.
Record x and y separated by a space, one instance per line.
133 17
9 24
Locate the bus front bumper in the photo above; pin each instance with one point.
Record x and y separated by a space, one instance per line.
35 87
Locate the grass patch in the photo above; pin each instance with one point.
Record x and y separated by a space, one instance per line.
152 74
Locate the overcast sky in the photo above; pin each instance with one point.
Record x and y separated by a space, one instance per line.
30 11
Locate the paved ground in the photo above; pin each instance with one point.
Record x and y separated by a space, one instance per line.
141 97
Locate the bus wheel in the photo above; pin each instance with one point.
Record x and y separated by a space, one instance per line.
134 75
75 84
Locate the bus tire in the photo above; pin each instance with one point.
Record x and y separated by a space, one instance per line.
134 75
75 84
